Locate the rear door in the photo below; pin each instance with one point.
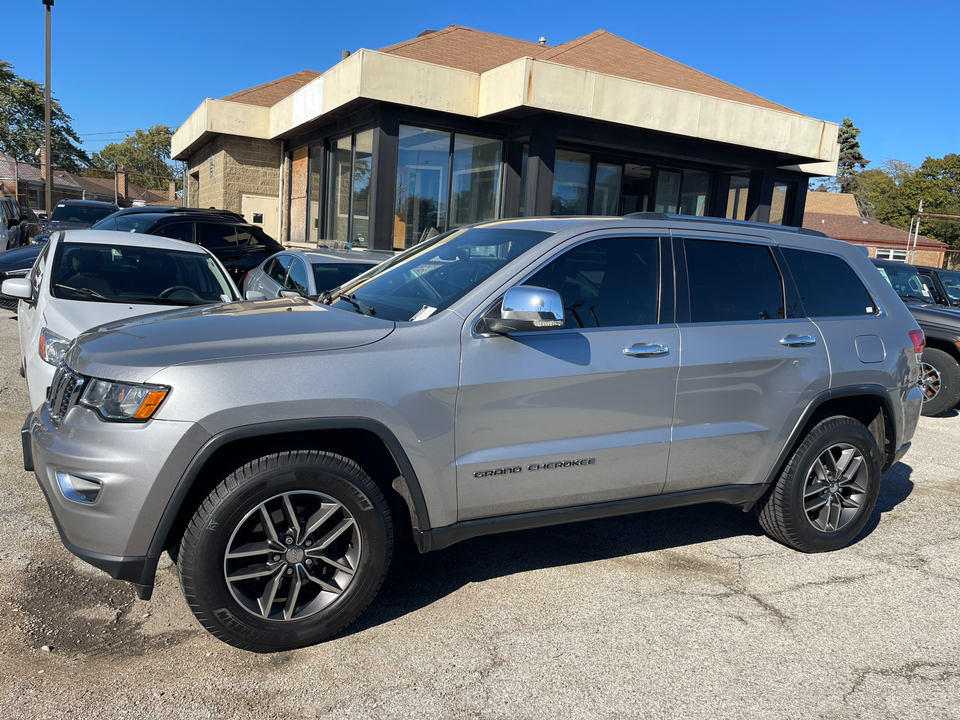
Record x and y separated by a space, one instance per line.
748 364
580 414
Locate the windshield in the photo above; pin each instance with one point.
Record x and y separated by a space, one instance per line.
433 274
155 276
80 213
906 281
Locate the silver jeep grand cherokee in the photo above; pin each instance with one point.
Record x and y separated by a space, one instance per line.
507 375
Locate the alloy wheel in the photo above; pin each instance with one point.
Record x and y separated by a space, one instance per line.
835 488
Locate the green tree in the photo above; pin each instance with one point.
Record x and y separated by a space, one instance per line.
143 155
22 123
850 166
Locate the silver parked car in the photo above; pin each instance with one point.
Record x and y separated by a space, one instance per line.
305 273
503 376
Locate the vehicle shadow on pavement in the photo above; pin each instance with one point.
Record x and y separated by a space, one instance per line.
416 581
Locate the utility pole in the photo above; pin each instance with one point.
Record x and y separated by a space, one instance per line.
48 179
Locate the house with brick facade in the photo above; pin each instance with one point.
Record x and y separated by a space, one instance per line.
459 125
837 215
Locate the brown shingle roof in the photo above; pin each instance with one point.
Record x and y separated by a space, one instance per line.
832 203
857 229
465 49
273 92
600 51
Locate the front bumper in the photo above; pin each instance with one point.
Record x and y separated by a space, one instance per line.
137 466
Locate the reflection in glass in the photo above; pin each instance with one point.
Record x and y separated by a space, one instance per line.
696 192
476 180
637 188
523 180
362 169
571 178
314 170
422 162
779 204
338 190
606 191
668 191
737 198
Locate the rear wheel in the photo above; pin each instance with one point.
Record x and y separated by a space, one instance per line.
939 381
827 492
286 551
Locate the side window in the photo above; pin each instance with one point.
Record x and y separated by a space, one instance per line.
297 279
178 231
277 269
828 286
732 281
613 282
216 236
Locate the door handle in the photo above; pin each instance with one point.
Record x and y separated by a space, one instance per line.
798 340
643 349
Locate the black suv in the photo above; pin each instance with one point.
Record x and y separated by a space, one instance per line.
75 214
239 245
940 364
943 284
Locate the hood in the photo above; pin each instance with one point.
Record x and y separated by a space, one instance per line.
53 225
941 315
19 258
138 348
69 318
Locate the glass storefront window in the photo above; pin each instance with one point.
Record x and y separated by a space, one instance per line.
571 181
737 198
523 180
668 191
476 180
314 165
606 189
422 163
696 192
362 173
338 190
637 188
778 208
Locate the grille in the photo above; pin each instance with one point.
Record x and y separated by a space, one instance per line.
64 392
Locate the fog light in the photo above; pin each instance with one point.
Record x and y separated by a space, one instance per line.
78 489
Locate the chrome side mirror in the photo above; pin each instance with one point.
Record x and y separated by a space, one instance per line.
526 308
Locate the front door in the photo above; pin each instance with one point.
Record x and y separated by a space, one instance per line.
576 415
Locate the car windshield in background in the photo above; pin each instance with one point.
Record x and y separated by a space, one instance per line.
117 273
431 275
329 275
80 213
906 281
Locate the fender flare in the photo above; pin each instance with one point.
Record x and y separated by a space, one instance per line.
407 484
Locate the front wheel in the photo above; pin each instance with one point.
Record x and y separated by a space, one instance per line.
286 551
827 492
939 381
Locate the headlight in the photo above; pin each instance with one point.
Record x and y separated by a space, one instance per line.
120 401
52 346
19 272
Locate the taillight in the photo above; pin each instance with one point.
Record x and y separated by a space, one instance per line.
918 340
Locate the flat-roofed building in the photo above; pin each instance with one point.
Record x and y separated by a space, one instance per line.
458 125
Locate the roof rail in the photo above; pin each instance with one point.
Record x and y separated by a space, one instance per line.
723 221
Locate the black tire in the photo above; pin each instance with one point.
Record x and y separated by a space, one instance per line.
260 581
825 494
939 381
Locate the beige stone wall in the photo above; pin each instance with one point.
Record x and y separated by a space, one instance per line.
208 192
930 258
298 196
250 166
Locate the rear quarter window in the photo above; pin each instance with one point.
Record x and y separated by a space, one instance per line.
828 286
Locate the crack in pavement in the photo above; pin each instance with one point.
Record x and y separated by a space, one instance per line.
909 671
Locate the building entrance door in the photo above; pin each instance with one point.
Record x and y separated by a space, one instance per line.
261 210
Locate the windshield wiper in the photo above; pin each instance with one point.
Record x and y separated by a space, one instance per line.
359 304
88 292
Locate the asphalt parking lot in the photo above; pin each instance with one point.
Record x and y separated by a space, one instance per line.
689 613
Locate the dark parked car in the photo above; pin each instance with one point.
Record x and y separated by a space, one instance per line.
16 263
239 245
940 363
944 284
14 228
307 273
73 214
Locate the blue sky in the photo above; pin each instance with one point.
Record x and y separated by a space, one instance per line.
890 66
